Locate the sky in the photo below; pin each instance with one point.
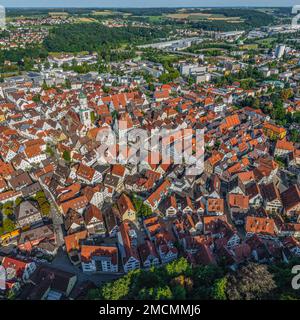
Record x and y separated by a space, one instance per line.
145 3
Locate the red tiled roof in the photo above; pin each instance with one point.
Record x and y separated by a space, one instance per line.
72 241
260 225
88 252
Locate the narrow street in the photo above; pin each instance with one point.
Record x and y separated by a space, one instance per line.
239 228
55 216
61 260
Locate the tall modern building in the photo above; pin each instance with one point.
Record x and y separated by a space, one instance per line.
279 51
2 17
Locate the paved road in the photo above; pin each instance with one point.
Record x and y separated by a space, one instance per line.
62 262
240 229
55 216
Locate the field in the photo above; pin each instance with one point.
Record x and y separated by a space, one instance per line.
162 58
85 19
109 13
266 41
155 18
249 46
58 14
198 16
59 54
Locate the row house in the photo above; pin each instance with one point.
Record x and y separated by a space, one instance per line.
99 259
238 206
128 243
265 228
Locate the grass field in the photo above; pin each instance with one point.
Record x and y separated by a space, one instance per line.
203 16
266 41
251 46
166 58
85 19
59 54
155 18
58 14
109 13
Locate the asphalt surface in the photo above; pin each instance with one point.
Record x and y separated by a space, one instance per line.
62 262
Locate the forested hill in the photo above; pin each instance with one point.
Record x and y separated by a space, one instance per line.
249 19
92 36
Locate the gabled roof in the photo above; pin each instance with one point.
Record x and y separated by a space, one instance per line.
284 145
93 212
291 197
88 252
260 225
215 205
16 264
73 241
238 201
147 249
124 204
76 204
157 194
270 192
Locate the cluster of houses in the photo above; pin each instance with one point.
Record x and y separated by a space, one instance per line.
57 193
51 20
22 37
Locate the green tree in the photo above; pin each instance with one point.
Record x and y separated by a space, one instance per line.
142 209
177 267
36 98
283 276
219 289
295 135
18 201
286 94
117 290
7 208
44 204
67 156
8 225
250 282
68 84
49 150
179 293
163 293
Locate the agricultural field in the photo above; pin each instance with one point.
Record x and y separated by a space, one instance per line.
85 20
59 54
58 14
159 57
109 13
266 41
155 18
251 46
199 16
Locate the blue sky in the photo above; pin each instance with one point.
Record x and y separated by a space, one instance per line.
143 3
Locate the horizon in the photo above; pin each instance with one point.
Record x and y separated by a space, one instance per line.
168 7
115 4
